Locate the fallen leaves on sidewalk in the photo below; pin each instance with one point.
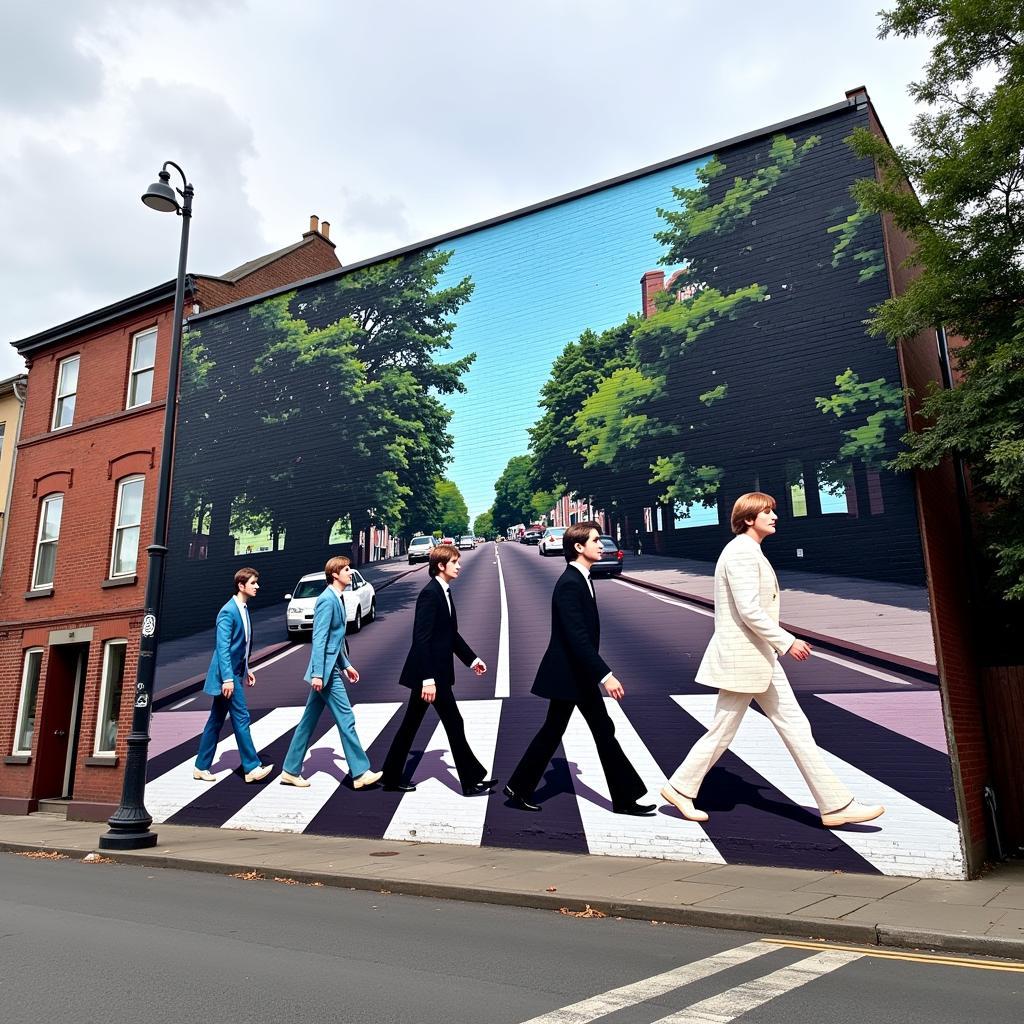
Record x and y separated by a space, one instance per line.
287 881
43 855
248 876
551 888
589 911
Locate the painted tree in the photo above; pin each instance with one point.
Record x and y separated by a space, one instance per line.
452 511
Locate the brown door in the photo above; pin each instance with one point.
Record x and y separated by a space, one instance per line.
61 712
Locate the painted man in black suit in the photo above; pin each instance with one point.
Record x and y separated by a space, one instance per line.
570 676
429 672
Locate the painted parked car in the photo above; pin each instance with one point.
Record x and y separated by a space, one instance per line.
360 604
551 542
420 548
611 558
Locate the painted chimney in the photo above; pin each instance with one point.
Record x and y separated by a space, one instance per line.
651 284
314 222
325 229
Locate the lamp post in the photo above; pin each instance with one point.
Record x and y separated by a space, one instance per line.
130 823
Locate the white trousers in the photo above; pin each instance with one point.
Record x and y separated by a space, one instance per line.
781 708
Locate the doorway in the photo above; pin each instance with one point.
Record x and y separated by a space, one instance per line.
60 721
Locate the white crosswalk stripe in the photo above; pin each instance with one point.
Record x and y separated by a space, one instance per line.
659 835
175 789
438 812
909 839
277 808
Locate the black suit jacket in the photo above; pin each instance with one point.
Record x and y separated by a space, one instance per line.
435 641
571 665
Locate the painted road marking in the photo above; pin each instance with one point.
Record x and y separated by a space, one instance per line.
501 679
181 704
893 843
277 808
663 835
854 666
588 1010
438 812
175 789
916 958
729 1005
276 658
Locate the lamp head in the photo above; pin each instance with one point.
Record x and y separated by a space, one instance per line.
160 196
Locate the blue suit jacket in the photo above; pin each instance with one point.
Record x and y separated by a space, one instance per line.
329 648
229 653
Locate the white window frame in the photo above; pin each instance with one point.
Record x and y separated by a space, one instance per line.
19 725
134 372
118 527
98 749
39 539
60 396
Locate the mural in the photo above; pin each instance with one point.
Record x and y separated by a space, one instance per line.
640 355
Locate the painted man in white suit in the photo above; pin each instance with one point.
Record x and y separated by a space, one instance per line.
742 663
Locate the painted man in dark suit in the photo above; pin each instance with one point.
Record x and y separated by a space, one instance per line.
429 672
570 676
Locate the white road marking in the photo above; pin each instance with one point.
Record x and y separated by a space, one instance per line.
438 812
734 1002
277 808
697 609
182 703
501 677
277 657
907 839
176 788
659 835
614 999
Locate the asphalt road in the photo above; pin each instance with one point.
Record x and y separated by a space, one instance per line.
102 942
654 645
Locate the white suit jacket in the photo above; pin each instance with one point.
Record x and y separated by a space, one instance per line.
748 638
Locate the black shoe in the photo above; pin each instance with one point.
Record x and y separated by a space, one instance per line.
518 802
479 787
398 787
638 810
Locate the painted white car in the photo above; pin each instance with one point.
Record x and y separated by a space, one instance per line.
551 542
360 604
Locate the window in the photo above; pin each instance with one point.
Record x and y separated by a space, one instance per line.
125 557
3 427
111 687
46 545
140 383
27 704
67 389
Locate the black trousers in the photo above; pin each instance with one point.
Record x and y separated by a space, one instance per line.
624 784
470 770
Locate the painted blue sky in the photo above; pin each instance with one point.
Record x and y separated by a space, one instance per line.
541 280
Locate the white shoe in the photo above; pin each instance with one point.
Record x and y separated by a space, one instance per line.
852 814
203 775
683 804
287 779
367 779
259 774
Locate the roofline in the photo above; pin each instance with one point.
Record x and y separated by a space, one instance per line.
524 211
7 385
100 317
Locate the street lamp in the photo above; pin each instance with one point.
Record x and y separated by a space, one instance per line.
130 823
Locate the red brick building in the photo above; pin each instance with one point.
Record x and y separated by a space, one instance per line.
74 574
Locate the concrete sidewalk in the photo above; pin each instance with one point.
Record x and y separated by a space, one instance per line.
887 622
983 917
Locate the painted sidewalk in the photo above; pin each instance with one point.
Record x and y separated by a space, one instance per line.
889 621
985 916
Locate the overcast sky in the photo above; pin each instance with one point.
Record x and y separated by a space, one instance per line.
393 121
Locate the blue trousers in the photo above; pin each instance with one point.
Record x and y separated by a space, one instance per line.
335 697
239 712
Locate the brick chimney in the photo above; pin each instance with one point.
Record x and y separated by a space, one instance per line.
320 230
652 282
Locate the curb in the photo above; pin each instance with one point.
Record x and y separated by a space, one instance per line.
693 917
881 659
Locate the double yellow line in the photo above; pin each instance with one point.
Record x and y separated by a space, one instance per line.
917 958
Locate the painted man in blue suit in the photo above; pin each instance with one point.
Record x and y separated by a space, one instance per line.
328 669
229 668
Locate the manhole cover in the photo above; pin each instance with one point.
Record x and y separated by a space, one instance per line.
385 853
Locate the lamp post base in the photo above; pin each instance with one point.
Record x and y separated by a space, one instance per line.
139 840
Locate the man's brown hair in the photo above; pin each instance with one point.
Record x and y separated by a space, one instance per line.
335 564
577 534
243 576
440 555
749 506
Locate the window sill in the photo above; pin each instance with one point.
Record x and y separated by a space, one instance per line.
120 581
18 759
31 595
102 761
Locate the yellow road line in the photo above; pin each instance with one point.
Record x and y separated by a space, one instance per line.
918 958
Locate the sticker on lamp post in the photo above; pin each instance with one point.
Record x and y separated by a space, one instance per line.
148 624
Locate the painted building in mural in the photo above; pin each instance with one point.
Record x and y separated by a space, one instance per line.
646 350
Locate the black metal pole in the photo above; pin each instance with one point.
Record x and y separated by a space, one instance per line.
130 823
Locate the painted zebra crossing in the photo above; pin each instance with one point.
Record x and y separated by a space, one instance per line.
437 811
